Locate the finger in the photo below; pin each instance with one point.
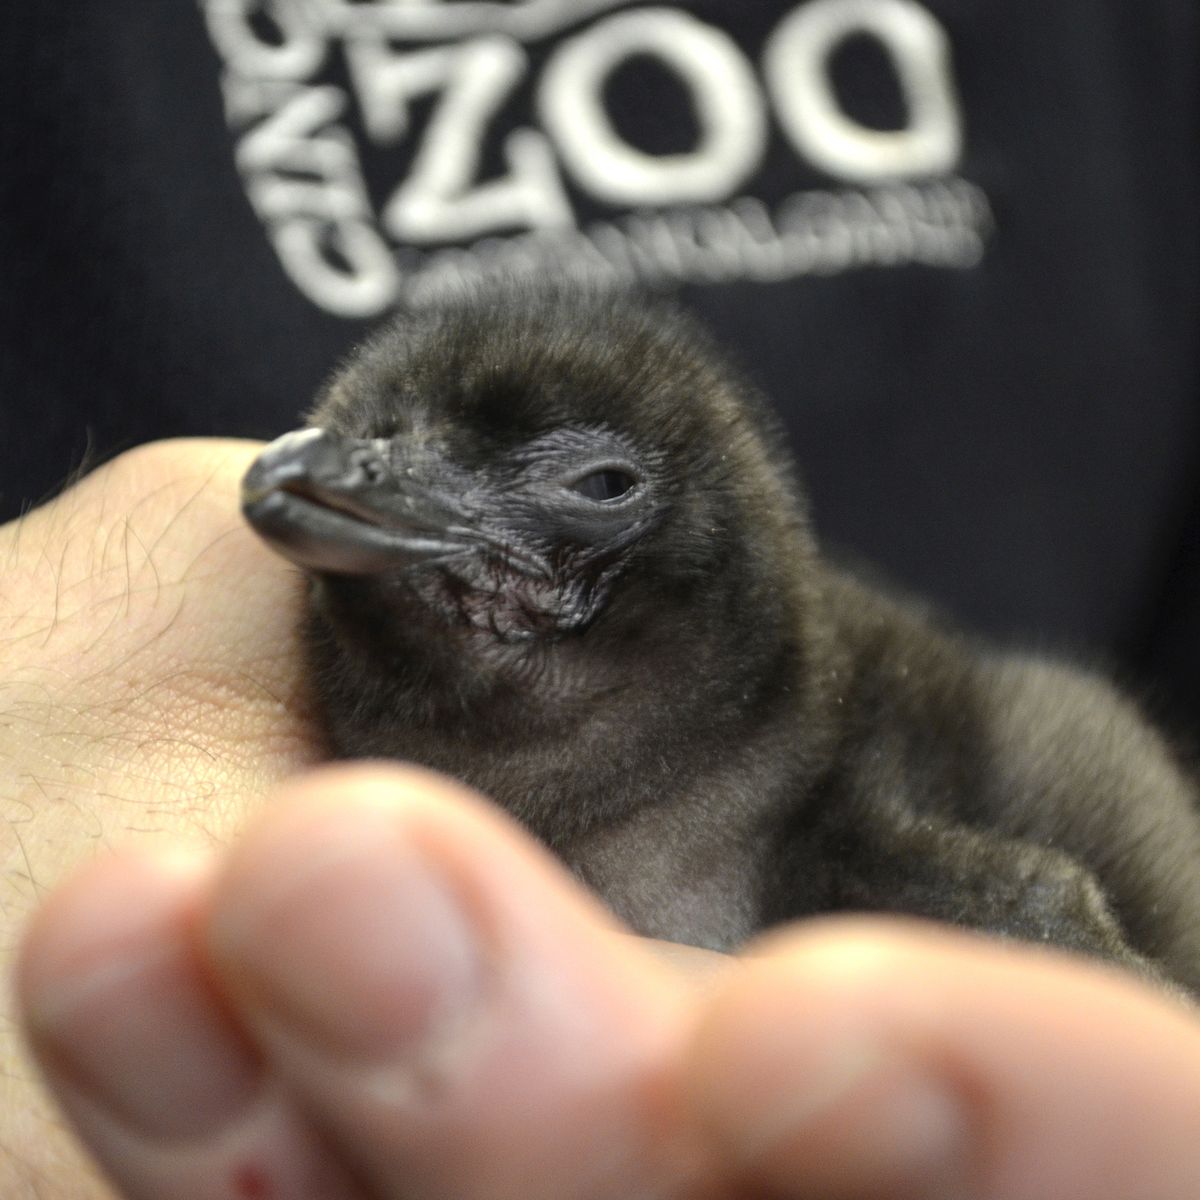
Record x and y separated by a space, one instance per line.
138 1050
698 969
857 1059
452 1009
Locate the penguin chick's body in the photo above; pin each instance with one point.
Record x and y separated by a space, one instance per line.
557 551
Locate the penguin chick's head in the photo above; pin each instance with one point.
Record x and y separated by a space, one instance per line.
517 467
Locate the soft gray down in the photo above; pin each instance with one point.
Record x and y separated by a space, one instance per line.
556 550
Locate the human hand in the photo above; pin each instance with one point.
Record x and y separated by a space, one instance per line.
149 693
386 990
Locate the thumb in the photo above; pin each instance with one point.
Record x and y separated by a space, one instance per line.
862 1059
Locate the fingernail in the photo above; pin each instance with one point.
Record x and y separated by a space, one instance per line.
350 938
766 1116
121 1014
908 1129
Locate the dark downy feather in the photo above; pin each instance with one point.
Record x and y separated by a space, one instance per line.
714 728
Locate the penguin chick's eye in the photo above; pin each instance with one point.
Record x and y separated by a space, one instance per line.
605 485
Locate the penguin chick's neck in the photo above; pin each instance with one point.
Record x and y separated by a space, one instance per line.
570 733
481 665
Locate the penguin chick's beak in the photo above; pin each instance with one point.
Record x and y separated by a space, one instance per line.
335 504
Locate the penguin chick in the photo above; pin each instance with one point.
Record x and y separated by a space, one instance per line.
556 550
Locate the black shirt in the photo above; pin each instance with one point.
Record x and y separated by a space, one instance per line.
955 240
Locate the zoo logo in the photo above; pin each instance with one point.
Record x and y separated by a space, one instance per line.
679 216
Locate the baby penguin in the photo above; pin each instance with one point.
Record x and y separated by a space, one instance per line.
556 549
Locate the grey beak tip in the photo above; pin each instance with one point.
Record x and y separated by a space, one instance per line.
288 457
